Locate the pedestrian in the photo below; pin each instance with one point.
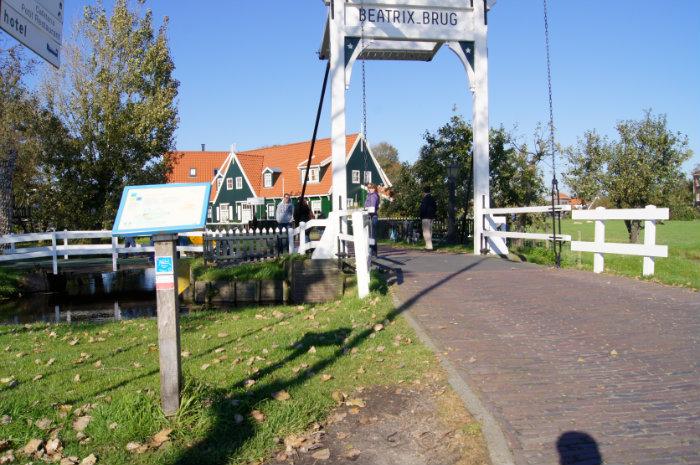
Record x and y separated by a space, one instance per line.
284 214
428 209
372 201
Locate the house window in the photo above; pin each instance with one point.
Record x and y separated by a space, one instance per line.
229 184
268 179
219 182
316 206
351 202
368 177
356 176
239 212
224 213
270 211
209 213
239 183
313 175
193 172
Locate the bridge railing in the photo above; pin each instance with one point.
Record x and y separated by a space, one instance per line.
55 244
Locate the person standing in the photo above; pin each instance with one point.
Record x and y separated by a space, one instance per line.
284 214
428 211
372 201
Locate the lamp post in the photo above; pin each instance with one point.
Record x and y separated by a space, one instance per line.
452 172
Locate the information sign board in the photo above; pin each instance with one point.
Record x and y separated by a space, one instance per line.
37 24
164 208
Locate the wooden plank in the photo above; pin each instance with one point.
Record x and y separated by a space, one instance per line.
516 210
621 214
530 236
640 250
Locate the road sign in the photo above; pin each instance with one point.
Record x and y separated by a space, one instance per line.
255 201
37 24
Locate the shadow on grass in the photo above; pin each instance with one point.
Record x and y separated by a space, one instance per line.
225 437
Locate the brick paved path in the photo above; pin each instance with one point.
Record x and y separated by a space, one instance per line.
552 351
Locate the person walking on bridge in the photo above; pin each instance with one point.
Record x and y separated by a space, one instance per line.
428 211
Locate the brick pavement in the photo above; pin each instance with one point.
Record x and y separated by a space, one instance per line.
555 351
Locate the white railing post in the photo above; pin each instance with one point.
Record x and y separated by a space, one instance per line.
649 242
13 245
115 254
54 253
290 239
65 243
599 238
360 232
302 237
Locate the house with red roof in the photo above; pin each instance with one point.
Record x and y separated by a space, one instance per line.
250 183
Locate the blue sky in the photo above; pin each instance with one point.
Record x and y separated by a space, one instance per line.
250 76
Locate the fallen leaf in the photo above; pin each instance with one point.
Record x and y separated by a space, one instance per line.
185 353
352 454
114 425
44 423
281 395
80 423
379 349
97 364
37 377
76 378
89 460
5 420
205 366
249 383
326 377
160 438
339 396
322 454
219 350
613 353
72 460
53 446
378 327
258 416
33 446
136 448
355 403
222 335
50 362
312 350
294 441
277 314
73 342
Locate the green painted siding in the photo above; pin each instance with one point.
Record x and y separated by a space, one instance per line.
357 162
234 195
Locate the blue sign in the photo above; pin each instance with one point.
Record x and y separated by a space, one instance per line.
164 265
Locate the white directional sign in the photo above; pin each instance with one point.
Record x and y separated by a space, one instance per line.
38 24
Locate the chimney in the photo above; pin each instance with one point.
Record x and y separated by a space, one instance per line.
203 147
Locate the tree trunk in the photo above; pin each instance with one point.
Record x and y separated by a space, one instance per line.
7 171
633 227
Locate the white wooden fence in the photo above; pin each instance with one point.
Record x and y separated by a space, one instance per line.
599 247
34 246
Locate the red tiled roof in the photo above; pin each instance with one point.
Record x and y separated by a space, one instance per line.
288 158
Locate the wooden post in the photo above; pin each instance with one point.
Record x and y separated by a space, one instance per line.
65 243
168 322
360 232
115 255
598 260
54 253
649 242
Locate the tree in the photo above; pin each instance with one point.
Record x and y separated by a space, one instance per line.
115 95
388 158
642 168
17 110
586 163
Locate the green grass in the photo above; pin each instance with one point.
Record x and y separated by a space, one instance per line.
270 345
267 270
437 246
681 268
9 283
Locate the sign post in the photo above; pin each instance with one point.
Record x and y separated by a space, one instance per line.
168 322
162 211
37 24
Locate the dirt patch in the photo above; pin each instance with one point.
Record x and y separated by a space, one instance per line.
400 425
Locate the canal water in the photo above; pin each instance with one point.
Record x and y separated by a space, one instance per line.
88 297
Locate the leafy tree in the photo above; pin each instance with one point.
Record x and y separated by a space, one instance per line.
18 108
407 193
388 157
642 168
585 175
115 95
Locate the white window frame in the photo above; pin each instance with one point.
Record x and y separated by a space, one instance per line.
239 212
239 183
209 212
229 184
193 172
368 177
224 207
351 201
356 176
270 211
315 204
267 179
313 171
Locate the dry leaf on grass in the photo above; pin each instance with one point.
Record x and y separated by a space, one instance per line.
281 395
378 327
322 454
43 424
160 438
249 383
355 403
33 446
326 377
37 377
258 416
79 424
89 460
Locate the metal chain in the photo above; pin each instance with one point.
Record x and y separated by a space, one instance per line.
549 89
364 83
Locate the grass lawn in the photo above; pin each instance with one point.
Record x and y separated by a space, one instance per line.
9 282
53 376
682 267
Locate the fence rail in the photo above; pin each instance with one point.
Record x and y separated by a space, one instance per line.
649 250
244 245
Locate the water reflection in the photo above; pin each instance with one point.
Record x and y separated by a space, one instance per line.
88 297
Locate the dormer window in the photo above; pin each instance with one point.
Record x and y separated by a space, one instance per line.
193 172
314 175
267 179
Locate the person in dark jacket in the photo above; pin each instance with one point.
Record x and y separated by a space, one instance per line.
302 212
372 201
428 211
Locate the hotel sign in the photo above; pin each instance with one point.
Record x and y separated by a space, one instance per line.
37 24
